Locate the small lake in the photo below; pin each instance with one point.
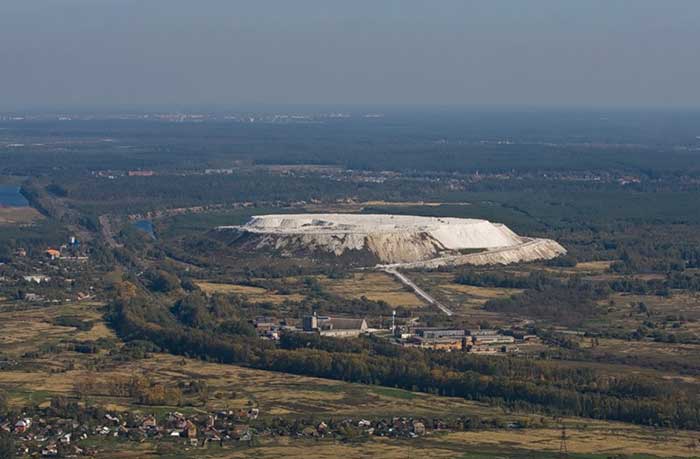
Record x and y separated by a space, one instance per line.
11 197
146 226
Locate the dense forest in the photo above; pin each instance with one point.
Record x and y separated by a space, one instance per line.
427 140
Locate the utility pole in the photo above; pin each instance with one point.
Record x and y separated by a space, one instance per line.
563 450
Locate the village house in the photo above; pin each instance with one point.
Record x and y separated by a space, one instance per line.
32 297
23 425
190 430
149 422
241 432
49 436
37 278
50 450
212 435
418 428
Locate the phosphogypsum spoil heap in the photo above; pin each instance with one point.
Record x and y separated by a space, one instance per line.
396 240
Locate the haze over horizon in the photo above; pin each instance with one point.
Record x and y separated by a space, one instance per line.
107 53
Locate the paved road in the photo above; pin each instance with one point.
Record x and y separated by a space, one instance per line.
419 291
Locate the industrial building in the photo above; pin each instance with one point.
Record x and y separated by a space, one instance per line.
334 326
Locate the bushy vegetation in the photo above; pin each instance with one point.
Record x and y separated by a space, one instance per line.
162 281
7 446
3 402
500 279
567 304
72 321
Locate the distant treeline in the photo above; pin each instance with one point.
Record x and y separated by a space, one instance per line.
674 280
429 140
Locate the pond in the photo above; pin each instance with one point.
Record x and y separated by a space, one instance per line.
11 197
145 226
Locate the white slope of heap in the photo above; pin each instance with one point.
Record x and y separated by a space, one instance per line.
531 250
392 238
451 233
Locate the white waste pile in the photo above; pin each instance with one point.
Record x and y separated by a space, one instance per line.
394 239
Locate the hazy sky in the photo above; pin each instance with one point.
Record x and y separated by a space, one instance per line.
229 52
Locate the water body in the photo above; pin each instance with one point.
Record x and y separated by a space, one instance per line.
11 197
146 226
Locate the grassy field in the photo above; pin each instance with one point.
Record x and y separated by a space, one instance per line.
374 286
594 442
232 387
465 301
252 294
18 215
24 330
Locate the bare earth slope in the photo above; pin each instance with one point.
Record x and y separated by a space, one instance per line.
397 239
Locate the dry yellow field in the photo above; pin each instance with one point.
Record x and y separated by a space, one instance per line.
234 387
680 302
622 347
23 330
469 300
376 448
605 440
593 266
213 287
253 294
600 438
18 215
480 293
374 286
585 268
